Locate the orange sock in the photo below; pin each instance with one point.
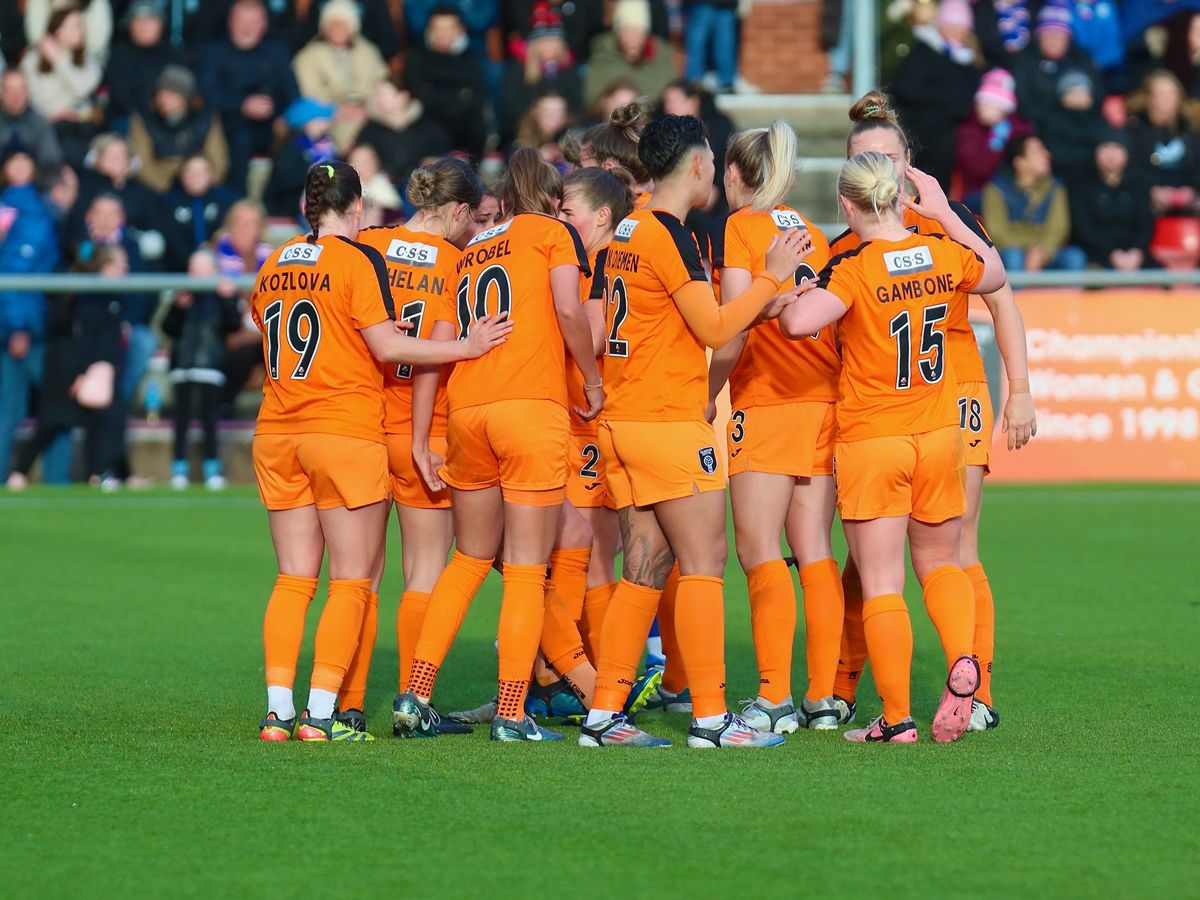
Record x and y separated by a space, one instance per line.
354 685
622 638
452 595
409 619
338 631
773 624
675 674
521 612
888 633
595 605
283 627
700 624
568 571
950 602
824 611
853 654
561 642
984 645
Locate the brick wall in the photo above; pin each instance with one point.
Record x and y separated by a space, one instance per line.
781 50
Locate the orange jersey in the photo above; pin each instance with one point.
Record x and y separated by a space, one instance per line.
421 274
773 369
310 301
898 295
507 269
961 346
591 287
642 199
655 369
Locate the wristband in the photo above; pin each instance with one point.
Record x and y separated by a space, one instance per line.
592 387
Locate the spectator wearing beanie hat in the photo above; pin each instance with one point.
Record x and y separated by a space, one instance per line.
935 85
175 127
135 63
1072 132
1039 66
981 140
545 66
341 67
630 51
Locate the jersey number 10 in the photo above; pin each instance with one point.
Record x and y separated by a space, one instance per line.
303 336
473 305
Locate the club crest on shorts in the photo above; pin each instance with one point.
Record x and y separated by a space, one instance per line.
708 459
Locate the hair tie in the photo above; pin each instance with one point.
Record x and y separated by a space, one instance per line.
872 108
329 171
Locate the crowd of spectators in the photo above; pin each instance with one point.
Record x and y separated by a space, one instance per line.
1070 125
174 135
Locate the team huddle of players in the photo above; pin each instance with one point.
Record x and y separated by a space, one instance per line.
526 379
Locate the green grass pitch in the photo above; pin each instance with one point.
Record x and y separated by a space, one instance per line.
129 762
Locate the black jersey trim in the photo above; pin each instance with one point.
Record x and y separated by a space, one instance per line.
685 243
375 258
827 272
597 291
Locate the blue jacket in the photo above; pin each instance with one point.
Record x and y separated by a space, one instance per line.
31 246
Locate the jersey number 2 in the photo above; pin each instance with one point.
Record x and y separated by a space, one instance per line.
618 297
933 347
303 336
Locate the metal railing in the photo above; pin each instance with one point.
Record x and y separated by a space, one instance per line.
166 283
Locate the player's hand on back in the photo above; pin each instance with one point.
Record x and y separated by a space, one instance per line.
787 251
488 333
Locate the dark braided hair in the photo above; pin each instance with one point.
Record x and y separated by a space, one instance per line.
329 187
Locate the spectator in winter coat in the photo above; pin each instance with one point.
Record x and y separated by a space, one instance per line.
196 208
175 127
1110 209
400 132
340 67
1072 132
18 120
197 325
1096 27
450 81
310 141
378 26
935 87
111 169
545 67
1164 145
241 249
136 62
1027 212
62 74
629 51
247 78
477 17
981 140
28 244
1040 65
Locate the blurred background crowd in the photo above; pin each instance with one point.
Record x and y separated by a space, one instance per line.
173 136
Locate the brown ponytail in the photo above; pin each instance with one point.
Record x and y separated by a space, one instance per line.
874 110
604 187
617 139
531 185
329 187
447 180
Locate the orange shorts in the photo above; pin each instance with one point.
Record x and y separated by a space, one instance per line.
783 439
408 487
976 423
918 475
587 486
651 462
330 470
520 445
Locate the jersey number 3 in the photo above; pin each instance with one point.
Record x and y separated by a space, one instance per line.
932 365
303 336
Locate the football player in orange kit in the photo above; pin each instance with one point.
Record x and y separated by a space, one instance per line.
876 128
900 464
663 470
325 311
780 441
421 258
507 440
